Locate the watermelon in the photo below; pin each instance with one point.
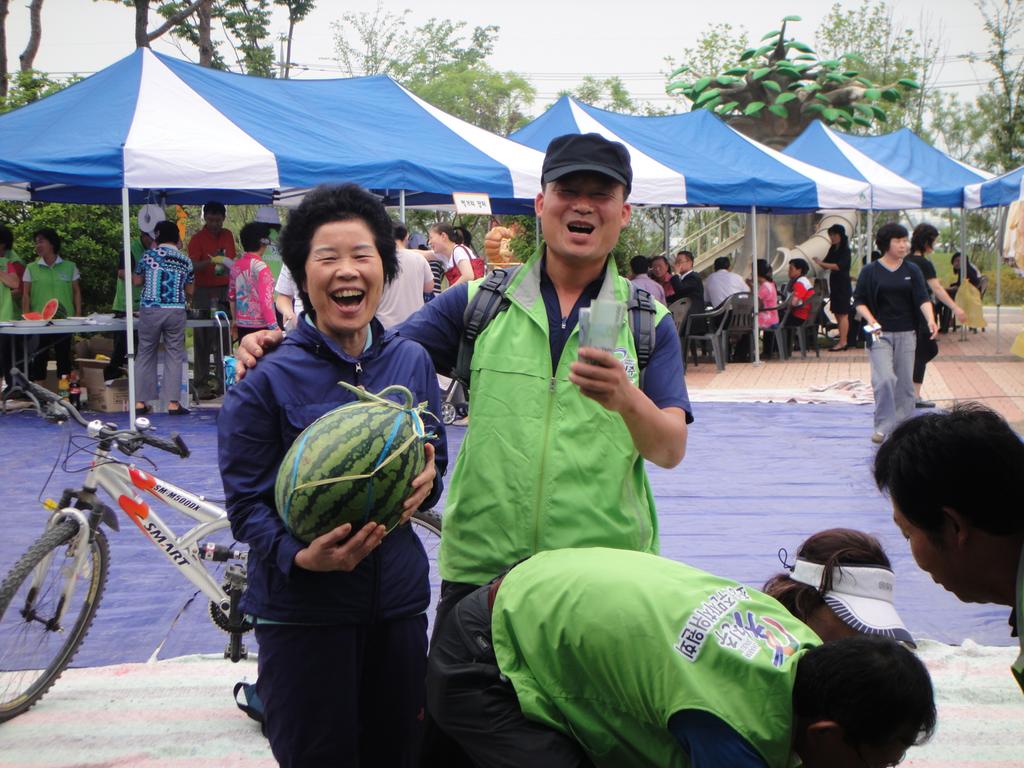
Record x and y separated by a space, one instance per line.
49 311
353 465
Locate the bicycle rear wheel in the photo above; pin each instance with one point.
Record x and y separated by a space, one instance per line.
427 525
34 649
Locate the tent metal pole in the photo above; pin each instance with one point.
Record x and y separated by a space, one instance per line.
129 303
754 337
1000 244
665 231
866 258
965 262
401 205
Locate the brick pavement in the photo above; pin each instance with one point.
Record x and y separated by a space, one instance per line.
967 368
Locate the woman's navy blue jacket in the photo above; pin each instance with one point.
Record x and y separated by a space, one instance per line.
261 417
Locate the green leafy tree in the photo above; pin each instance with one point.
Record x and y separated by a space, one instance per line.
772 96
1002 103
610 93
297 11
33 85
90 235
718 47
888 50
439 62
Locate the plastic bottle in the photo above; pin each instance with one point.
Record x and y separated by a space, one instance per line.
63 387
74 390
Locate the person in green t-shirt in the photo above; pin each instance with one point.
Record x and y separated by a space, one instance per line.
118 359
10 282
607 657
50 277
953 481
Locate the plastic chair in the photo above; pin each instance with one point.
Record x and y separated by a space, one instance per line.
680 309
784 334
741 320
717 321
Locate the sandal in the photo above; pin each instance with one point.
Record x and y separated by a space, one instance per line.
141 411
837 348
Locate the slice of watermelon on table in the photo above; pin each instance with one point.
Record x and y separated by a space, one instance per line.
49 311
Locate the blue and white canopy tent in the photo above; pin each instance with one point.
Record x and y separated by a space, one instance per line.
694 159
904 171
150 128
710 164
172 131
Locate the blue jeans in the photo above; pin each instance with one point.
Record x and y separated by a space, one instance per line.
892 378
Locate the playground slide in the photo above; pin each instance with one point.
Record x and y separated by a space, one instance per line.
816 246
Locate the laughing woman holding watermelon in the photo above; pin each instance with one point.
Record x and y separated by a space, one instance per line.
340 620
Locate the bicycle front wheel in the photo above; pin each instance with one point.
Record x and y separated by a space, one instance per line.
427 525
35 648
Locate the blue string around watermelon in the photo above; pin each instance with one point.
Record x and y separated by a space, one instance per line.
354 464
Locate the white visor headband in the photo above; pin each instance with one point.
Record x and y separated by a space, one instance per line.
860 595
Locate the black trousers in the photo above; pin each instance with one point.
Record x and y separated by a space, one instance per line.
39 355
475 705
343 695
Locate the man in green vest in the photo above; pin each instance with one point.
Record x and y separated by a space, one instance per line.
50 277
953 478
116 368
606 657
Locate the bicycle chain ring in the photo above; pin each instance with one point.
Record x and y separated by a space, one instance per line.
221 620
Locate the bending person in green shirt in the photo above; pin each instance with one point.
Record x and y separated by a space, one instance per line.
614 658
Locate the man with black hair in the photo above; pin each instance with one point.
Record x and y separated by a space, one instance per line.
404 295
613 658
689 284
723 283
639 265
207 249
953 479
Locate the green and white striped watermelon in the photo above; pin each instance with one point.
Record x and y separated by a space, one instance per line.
353 465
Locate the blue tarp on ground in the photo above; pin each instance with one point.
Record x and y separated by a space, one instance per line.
153 123
904 171
695 159
756 478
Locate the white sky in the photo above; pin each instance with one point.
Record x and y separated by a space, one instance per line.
552 43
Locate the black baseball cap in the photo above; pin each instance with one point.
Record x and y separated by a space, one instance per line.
576 152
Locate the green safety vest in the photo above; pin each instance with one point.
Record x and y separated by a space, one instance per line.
118 305
6 302
52 283
606 645
541 466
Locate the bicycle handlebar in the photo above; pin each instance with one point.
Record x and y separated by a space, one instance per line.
60 409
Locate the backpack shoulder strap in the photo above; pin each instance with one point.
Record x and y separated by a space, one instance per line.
641 313
483 307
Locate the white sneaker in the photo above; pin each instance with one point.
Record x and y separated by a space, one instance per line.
878 437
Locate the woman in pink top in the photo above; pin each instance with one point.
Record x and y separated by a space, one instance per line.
251 284
767 296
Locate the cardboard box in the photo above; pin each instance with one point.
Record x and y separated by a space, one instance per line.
103 397
94 345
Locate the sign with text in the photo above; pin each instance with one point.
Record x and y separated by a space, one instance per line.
472 202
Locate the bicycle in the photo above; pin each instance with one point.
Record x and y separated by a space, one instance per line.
49 598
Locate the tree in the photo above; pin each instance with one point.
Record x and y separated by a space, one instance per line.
889 50
35 15
772 97
611 94
1003 100
437 62
297 11
717 48
4 78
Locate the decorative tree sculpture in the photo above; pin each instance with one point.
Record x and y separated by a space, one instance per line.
772 98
